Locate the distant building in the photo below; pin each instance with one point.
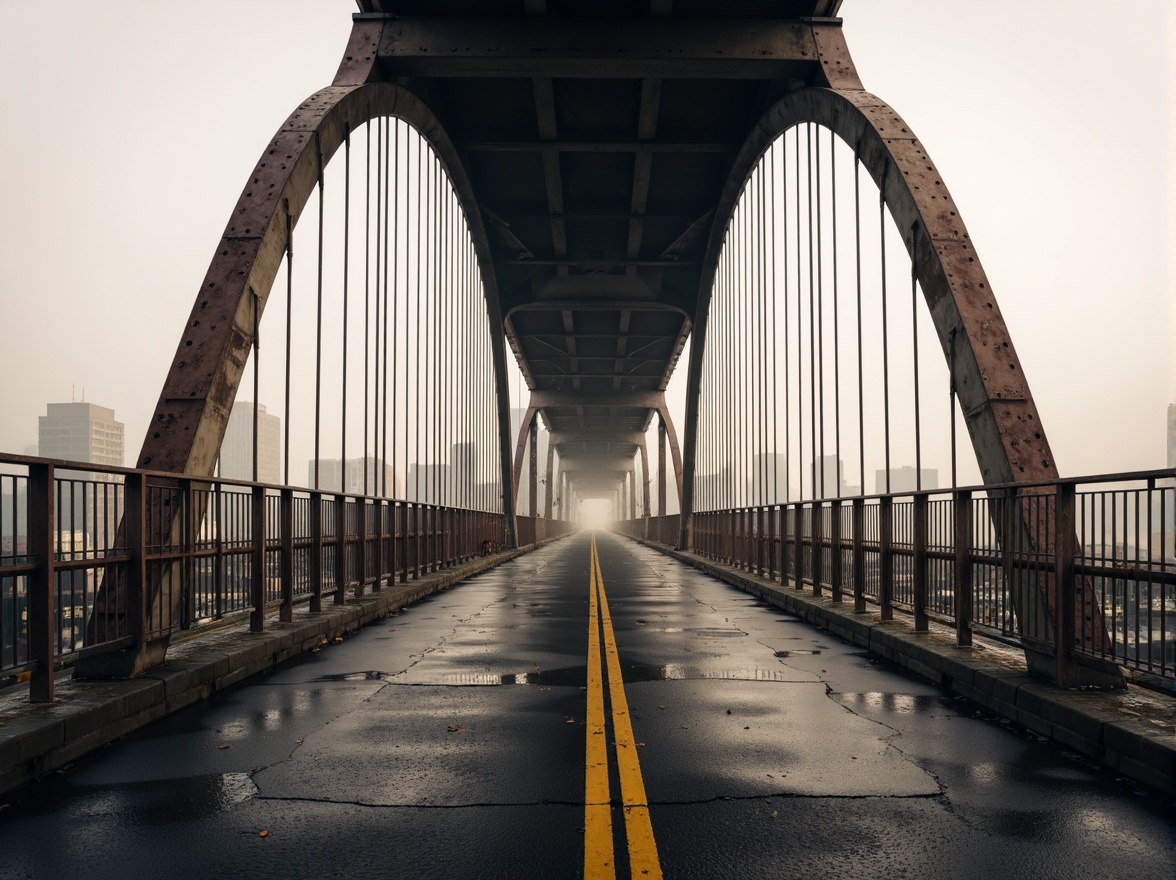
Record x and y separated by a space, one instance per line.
81 432
348 477
903 480
84 432
428 483
830 477
236 453
769 479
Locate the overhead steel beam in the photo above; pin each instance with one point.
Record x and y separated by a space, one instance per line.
597 146
597 48
541 399
559 438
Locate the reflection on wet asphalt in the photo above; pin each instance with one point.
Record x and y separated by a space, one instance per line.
449 739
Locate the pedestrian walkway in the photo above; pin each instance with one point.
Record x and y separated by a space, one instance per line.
463 735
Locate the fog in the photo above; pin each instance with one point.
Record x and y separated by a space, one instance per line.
130 128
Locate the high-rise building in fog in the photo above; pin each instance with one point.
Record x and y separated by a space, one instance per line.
236 454
903 479
348 477
428 483
81 432
84 432
769 479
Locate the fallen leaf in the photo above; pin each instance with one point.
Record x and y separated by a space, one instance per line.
299 740
338 639
455 728
640 745
685 726
728 711
661 707
224 746
570 721
773 814
853 757
747 728
263 833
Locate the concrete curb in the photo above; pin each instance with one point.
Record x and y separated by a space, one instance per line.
37 738
1132 732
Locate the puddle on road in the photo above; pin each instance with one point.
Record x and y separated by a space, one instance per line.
716 632
371 675
633 673
786 654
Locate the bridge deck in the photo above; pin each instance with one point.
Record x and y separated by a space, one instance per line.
450 740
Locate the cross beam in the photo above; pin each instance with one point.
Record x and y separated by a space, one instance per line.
598 48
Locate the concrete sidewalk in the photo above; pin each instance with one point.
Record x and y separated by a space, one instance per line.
37 738
1132 732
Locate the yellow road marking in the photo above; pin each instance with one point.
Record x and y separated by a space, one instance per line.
598 835
643 859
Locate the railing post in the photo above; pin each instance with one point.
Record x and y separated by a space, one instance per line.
361 548
316 552
798 545
886 556
962 570
760 540
41 582
218 568
188 524
286 559
402 539
859 554
257 560
418 550
835 572
1064 581
340 550
817 549
919 562
378 515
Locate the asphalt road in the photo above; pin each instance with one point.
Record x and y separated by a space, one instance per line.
450 741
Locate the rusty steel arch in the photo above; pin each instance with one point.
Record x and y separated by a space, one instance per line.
1002 419
1003 423
190 419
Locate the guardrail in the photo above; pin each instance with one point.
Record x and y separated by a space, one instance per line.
960 556
81 546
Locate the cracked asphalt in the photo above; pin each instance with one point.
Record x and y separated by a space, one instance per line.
449 739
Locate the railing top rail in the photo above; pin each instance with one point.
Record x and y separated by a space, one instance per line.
94 467
1147 476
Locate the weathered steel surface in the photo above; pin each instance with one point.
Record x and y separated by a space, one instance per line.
630 48
1006 431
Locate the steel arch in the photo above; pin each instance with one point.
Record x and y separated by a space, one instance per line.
1005 429
190 419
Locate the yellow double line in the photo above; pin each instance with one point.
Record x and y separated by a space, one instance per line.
599 860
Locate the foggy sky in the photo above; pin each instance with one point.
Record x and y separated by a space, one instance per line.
129 128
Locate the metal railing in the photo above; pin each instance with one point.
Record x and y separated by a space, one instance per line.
536 529
963 556
83 554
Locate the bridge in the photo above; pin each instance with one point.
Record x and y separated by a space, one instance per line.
591 202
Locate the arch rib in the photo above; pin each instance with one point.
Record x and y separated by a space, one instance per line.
192 414
1002 420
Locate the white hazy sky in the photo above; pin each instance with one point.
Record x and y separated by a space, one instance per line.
130 126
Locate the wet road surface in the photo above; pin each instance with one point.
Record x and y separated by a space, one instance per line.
451 740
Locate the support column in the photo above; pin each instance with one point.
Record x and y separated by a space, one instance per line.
644 478
533 471
632 493
549 485
661 466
